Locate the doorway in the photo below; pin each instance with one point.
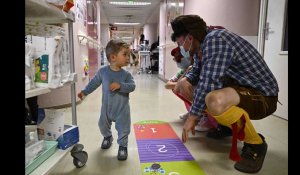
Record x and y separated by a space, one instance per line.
272 44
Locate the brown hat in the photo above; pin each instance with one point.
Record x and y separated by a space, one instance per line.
192 24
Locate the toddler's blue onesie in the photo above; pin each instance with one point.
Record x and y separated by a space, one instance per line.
115 104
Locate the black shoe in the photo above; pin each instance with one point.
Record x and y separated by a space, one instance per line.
106 143
122 153
220 132
253 156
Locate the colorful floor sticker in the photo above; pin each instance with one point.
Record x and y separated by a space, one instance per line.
161 150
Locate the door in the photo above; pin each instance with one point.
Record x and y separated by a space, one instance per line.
275 50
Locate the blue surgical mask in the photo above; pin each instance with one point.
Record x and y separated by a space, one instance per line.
185 54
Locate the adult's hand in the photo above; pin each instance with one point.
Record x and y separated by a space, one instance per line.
188 126
184 88
170 85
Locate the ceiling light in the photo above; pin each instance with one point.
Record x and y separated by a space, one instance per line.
180 4
130 3
126 37
124 23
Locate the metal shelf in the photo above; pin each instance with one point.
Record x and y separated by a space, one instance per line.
50 163
41 11
45 90
144 52
36 92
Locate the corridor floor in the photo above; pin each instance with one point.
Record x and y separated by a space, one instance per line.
151 101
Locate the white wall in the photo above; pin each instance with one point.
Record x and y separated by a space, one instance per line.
170 68
277 62
150 32
238 16
104 34
162 38
137 33
251 39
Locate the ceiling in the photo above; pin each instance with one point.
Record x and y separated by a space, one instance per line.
142 14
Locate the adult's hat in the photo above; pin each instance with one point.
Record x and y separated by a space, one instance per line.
192 24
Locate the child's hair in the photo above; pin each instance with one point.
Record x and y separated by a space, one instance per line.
114 47
176 54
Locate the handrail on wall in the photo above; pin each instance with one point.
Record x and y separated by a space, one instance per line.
166 45
86 40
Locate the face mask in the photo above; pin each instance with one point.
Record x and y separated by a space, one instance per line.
184 64
185 54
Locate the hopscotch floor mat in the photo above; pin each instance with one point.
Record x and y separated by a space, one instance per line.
161 150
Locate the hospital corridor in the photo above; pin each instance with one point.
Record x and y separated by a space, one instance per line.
151 101
156 87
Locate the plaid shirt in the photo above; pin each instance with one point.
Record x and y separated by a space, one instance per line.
226 54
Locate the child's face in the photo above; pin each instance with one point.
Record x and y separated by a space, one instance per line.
123 57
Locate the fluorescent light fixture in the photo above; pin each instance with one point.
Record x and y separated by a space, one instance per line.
124 23
127 37
174 4
129 3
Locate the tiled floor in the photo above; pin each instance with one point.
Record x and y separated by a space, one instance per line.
151 101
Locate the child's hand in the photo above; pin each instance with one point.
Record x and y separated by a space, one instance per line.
114 86
170 85
80 95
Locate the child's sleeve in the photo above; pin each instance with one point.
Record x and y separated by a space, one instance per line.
176 77
129 84
93 84
180 73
